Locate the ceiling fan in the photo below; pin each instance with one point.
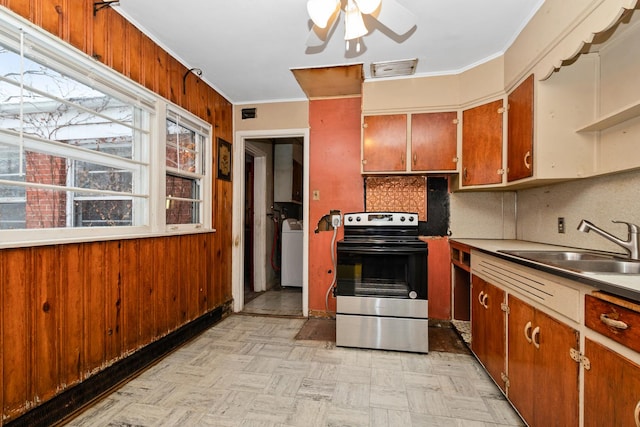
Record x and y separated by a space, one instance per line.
324 14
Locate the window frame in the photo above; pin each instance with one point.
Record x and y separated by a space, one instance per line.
148 192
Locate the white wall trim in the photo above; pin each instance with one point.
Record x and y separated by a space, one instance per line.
237 271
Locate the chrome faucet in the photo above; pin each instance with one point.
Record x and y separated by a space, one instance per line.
631 245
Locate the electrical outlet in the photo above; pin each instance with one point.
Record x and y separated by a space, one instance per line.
336 220
316 194
561 224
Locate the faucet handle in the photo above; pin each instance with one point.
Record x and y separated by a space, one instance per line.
632 227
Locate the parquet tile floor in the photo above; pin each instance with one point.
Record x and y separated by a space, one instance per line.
251 371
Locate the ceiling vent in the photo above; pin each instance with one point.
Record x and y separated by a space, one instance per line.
404 67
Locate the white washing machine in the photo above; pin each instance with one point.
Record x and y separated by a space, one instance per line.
291 260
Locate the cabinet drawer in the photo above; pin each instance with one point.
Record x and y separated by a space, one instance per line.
613 320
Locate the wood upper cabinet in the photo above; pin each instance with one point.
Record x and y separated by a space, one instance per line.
611 388
488 327
431 144
434 141
287 173
520 131
384 147
543 378
482 144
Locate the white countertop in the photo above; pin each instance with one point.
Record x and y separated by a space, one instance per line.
626 285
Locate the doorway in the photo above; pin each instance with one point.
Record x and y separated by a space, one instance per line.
258 225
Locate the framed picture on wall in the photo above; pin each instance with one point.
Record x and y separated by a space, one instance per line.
224 160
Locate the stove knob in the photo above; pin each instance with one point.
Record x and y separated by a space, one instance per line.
358 219
410 219
413 295
402 219
350 219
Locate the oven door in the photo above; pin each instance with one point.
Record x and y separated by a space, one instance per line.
379 271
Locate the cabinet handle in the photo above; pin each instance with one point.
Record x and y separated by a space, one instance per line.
526 160
402 159
484 301
527 330
465 174
534 337
480 295
415 158
636 414
618 324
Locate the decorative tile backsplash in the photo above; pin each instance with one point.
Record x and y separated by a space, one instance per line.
397 194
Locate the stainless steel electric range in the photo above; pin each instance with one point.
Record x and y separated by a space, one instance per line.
381 287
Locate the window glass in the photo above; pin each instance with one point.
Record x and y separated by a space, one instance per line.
76 141
185 172
43 108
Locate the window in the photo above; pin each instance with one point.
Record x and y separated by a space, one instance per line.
185 143
76 147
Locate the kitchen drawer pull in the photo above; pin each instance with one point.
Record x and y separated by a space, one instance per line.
485 298
526 160
636 414
480 295
527 330
617 324
534 337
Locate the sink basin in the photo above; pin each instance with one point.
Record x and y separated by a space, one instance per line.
582 262
600 266
542 256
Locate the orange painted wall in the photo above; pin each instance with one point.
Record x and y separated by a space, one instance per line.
334 171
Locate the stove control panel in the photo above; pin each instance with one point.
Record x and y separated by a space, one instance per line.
380 218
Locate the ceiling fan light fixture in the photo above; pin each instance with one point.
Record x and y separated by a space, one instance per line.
405 67
368 6
353 24
320 11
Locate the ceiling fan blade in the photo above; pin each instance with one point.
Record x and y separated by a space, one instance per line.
318 36
395 16
321 11
368 6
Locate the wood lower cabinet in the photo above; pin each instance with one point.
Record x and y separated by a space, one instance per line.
482 144
543 379
488 327
612 382
611 388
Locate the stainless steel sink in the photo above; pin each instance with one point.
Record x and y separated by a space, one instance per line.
616 266
542 256
582 262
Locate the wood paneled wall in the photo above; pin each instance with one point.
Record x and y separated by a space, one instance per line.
69 311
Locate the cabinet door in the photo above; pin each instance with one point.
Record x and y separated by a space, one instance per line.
520 131
543 379
611 389
296 182
434 141
488 327
384 147
482 144
556 374
520 357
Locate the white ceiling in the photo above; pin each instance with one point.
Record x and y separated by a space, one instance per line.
246 48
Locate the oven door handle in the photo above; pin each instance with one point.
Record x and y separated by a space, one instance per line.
382 250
